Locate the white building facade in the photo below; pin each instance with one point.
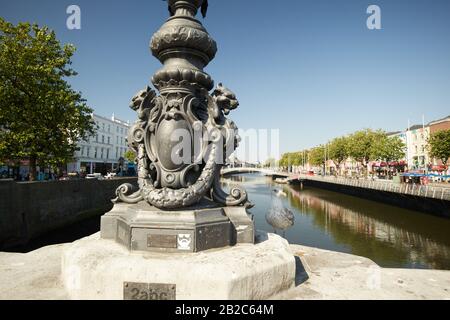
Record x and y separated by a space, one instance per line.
104 152
417 147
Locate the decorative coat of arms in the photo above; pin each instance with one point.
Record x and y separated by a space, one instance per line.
182 137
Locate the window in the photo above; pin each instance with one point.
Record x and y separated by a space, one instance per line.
117 129
82 150
96 138
103 126
117 140
88 151
103 139
117 152
107 153
121 130
101 154
95 153
109 140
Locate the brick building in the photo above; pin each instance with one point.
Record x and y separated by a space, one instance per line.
436 126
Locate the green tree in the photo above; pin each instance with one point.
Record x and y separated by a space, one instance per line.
41 117
303 157
366 145
394 149
296 159
270 163
283 160
317 156
439 145
338 150
359 145
291 159
130 156
286 160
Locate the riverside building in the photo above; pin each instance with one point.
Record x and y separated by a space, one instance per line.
103 152
436 126
417 147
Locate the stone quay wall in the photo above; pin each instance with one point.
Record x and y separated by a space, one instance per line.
30 209
434 206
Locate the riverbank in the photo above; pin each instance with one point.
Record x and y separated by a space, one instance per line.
321 274
427 199
31 209
437 207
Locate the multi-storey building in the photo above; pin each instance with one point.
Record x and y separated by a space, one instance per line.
436 126
417 147
400 134
105 150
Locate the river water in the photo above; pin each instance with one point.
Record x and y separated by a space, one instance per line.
390 236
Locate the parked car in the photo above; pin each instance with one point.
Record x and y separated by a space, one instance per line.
97 176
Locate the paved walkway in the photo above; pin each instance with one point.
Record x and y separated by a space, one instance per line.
333 275
32 276
321 274
426 191
439 191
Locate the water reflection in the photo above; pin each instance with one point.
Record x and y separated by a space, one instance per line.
391 236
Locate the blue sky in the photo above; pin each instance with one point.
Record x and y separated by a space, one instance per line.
308 67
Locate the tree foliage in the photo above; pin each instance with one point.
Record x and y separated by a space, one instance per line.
360 145
293 158
317 156
270 163
390 149
41 117
363 146
439 144
368 145
130 156
338 150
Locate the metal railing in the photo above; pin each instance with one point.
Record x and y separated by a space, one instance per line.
442 193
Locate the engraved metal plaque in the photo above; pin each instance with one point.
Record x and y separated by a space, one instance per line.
162 241
149 291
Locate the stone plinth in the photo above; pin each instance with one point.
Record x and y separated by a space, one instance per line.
141 227
95 268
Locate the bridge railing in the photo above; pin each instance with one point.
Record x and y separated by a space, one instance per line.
442 193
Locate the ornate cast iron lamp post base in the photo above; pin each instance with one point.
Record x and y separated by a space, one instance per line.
139 227
179 205
179 208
